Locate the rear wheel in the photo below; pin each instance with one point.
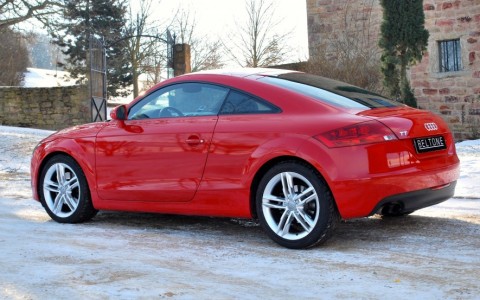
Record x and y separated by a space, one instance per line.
64 191
295 207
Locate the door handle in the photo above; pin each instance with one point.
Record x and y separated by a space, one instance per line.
194 140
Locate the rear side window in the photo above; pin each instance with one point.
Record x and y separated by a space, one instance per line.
241 103
330 91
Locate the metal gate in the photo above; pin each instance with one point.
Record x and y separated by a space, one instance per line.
98 79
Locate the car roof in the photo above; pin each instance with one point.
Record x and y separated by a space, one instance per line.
244 72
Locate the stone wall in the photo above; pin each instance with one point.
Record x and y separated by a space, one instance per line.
45 108
328 18
454 95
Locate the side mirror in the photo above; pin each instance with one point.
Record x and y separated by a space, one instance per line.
119 113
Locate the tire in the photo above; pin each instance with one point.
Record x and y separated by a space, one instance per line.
64 191
306 217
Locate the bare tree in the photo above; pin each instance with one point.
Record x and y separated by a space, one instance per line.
146 46
13 57
137 46
259 42
154 65
16 11
206 54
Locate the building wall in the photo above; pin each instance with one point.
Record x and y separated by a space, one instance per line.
327 18
45 108
453 95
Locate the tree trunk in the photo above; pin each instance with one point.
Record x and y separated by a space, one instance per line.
135 79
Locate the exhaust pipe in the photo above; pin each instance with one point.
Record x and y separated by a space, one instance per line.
393 209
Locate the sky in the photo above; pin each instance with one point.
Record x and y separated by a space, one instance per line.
219 18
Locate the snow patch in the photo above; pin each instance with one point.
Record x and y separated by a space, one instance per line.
46 78
468 184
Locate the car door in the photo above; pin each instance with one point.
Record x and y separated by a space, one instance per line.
245 122
159 152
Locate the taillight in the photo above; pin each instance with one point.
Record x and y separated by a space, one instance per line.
358 134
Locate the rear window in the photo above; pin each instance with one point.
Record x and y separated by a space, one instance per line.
330 91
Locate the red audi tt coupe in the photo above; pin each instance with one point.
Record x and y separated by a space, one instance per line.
296 151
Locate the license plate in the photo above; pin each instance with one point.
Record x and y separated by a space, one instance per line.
428 144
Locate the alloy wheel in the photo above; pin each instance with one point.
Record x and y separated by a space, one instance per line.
61 190
290 205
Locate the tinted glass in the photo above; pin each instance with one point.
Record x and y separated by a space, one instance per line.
330 91
180 100
241 103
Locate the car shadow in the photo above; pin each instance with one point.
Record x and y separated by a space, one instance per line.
213 228
350 233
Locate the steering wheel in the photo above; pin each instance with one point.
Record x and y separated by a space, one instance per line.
169 112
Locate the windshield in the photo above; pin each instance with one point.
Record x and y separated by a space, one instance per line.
330 91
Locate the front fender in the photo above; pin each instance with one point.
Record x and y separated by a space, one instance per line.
80 149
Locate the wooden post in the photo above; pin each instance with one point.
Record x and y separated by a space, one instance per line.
181 59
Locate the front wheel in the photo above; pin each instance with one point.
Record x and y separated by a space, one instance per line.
295 206
64 191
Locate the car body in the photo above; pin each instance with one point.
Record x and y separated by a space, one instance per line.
294 150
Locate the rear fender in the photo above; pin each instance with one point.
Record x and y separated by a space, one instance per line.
286 148
316 154
280 147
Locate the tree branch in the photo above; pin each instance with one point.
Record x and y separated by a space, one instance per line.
13 12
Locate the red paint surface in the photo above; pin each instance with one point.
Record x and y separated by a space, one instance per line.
209 165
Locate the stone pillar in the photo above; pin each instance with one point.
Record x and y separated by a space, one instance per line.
181 59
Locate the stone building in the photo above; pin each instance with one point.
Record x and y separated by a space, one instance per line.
447 80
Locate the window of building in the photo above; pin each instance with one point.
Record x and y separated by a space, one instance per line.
450 55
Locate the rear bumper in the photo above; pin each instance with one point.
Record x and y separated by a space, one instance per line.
365 178
414 190
411 201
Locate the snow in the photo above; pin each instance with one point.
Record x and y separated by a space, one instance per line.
46 78
432 254
15 148
469 183
52 78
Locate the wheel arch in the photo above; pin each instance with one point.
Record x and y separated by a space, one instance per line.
269 164
74 150
47 158
67 198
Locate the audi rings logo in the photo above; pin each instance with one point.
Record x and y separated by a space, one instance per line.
431 126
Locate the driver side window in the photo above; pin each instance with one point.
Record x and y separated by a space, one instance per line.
180 100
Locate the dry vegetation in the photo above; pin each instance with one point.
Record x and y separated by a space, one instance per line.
13 57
